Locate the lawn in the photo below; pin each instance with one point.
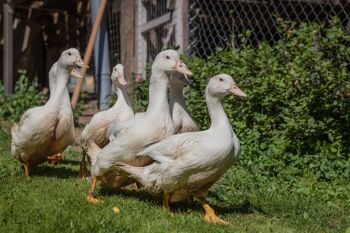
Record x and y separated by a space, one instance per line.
53 200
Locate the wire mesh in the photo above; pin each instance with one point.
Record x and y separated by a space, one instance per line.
113 22
160 36
218 23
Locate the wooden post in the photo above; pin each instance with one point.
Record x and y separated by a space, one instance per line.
185 26
141 44
8 48
88 50
127 38
181 25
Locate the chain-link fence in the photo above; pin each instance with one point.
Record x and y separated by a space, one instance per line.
161 34
218 23
113 21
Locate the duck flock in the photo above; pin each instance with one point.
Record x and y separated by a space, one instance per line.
161 149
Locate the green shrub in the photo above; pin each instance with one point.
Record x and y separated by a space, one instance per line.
296 118
24 97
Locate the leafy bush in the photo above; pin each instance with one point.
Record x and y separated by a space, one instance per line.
79 108
296 118
24 97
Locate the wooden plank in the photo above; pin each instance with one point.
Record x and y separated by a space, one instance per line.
155 22
141 44
88 51
185 26
8 48
127 39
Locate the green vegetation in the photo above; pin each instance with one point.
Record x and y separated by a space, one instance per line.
25 96
296 118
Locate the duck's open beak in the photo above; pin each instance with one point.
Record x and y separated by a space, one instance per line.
236 91
121 79
81 64
75 74
185 80
181 67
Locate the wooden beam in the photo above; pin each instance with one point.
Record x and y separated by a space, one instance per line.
88 50
155 22
8 48
140 42
185 26
127 39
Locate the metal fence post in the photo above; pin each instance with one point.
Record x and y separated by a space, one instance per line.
8 48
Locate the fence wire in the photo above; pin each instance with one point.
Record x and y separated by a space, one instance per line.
160 36
218 23
113 16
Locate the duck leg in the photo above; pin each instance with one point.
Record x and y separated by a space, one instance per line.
210 215
83 172
91 196
166 199
26 168
55 159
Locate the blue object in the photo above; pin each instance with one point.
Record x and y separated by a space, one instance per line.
101 57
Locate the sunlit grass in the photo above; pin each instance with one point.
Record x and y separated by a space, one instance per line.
53 200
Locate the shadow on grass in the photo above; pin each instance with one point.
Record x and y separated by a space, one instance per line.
183 206
70 162
51 171
140 194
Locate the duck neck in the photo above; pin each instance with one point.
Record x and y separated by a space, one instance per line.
123 100
176 96
218 117
60 91
52 77
158 99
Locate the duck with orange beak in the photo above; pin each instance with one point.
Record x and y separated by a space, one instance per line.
188 164
96 130
47 130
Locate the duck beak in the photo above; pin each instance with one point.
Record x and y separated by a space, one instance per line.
122 80
81 64
236 91
185 80
76 74
181 67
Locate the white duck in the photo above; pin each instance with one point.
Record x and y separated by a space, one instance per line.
134 134
66 112
96 130
189 164
42 131
182 120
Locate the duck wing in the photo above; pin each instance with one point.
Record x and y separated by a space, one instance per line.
62 127
173 148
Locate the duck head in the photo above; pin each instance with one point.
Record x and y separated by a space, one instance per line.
71 58
221 85
169 61
118 75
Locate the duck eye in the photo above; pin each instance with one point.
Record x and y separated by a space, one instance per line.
167 57
69 54
221 79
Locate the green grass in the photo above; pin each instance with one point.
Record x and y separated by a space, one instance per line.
53 200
